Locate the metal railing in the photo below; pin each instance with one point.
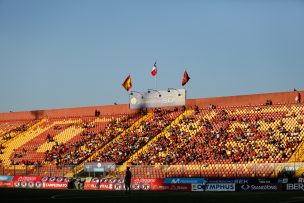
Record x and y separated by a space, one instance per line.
31 170
257 170
263 170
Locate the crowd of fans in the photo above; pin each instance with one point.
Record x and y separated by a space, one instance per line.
121 149
13 130
263 134
92 139
227 137
80 147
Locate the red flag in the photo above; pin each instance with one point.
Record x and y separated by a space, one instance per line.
154 70
127 84
186 78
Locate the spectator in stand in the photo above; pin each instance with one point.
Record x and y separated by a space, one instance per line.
298 98
217 142
268 102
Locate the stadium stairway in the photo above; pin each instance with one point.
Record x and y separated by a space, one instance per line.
136 124
187 170
176 121
296 158
158 171
279 113
298 155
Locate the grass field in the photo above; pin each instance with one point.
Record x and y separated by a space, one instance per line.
43 196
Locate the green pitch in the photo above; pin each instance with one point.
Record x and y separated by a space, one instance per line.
44 196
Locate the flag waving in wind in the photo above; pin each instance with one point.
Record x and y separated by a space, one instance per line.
127 84
186 78
154 70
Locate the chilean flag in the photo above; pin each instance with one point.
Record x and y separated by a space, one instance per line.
154 70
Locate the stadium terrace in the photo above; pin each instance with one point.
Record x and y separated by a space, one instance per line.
248 142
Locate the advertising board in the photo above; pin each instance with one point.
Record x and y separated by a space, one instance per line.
157 98
184 180
259 187
220 187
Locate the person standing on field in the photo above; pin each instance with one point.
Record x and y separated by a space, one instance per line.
128 180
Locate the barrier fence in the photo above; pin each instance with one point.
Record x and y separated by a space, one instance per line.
264 170
46 170
295 169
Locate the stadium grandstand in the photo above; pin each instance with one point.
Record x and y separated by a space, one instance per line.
257 135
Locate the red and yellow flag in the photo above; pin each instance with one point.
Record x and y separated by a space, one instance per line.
186 78
127 84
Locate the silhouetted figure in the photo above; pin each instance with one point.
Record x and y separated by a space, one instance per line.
128 180
298 98
97 113
268 102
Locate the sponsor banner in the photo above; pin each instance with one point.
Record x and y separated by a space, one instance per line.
38 185
17 184
45 179
23 184
111 186
6 184
178 187
5 178
111 180
148 183
294 187
119 186
219 187
54 179
106 180
26 184
283 180
258 187
184 180
147 186
247 180
91 186
136 184
31 184
27 178
300 180
54 185
99 167
106 186
228 180
147 180
198 187
266 180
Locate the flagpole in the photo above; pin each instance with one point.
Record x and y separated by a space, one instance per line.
155 82
186 83
156 75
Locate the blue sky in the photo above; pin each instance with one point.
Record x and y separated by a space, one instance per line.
72 53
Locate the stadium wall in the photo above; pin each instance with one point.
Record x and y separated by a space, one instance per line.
242 100
67 112
246 100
